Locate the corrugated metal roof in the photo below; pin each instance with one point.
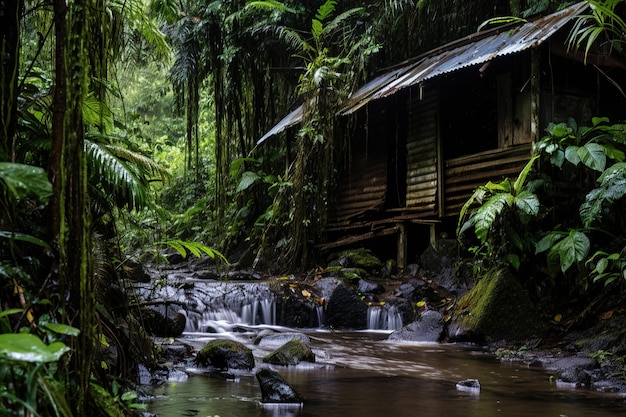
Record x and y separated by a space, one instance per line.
469 51
474 52
291 119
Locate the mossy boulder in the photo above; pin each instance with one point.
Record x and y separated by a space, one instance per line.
291 353
225 354
357 258
497 307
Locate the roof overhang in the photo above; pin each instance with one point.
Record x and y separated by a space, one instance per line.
472 50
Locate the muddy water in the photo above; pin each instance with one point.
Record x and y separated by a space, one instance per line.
359 374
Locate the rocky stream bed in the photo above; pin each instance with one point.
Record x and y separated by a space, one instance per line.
432 301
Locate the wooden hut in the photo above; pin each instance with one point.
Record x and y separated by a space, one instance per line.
432 130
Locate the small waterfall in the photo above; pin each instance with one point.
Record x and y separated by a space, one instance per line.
383 317
217 307
320 315
242 304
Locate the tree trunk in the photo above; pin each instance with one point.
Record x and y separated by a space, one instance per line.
71 220
9 51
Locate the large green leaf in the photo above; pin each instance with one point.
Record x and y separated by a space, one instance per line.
571 154
489 212
527 203
593 156
25 181
26 347
521 178
24 238
63 329
548 241
557 158
247 179
573 248
613 153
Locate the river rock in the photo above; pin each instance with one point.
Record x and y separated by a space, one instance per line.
134 271
370 287
163 321
573 369
274 389
344 308
428 328
441 260
468 385
297 305
291 353
225 354
497 307
270 338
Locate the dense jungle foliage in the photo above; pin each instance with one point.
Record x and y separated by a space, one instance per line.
128 126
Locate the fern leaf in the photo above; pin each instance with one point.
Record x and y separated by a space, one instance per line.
325 10
270 5
612 188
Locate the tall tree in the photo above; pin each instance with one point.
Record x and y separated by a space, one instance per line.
71 219
9 51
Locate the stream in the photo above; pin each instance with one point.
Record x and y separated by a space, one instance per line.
360 374
356 373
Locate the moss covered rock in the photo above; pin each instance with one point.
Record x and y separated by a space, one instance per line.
291 353
357 258
225 354
497 307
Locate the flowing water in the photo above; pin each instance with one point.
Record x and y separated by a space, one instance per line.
356 373
360 374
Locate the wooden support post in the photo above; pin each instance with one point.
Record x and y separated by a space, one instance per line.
433 235
402 247
535 92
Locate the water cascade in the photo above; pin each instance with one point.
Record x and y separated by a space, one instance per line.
218 306
383 317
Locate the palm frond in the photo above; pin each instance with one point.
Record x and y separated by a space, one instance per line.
169 10
116 177
603 22
339 21
138 19
143 163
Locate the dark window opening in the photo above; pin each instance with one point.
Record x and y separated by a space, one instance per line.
468 113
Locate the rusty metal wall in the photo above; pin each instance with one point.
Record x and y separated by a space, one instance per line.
463 175
364 187
421 189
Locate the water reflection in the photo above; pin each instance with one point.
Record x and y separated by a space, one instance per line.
360 375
